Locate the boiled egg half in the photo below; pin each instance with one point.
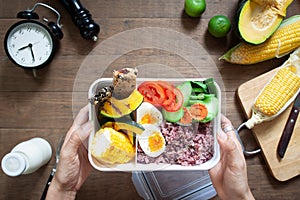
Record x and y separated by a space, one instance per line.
149 114
152 141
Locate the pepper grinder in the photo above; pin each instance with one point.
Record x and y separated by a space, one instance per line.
82 19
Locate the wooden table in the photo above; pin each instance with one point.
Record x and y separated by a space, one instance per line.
43 106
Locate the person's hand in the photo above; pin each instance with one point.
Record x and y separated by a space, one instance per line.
229 176
73 167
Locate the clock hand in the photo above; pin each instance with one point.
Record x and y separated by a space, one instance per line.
30 46
24 47
35 43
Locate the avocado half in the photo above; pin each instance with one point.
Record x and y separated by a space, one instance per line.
259 19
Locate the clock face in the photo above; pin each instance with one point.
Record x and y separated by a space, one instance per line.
29 44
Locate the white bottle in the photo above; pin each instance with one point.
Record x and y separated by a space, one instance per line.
27 157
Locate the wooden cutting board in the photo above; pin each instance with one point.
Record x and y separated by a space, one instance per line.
268 133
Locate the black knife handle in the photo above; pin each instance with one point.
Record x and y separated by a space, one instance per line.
287 131
43 197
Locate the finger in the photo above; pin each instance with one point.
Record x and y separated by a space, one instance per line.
82 116
231 150
228 128
232 135
78 137
224 121
225 141
87 129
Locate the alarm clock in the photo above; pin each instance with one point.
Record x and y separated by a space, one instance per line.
31 44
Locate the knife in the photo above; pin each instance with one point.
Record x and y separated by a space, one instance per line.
289 127
61 141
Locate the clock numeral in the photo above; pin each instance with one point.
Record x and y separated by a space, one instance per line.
47 45
21 32
14 37
37 30
44 36
29 29
12 46
23 59
40 58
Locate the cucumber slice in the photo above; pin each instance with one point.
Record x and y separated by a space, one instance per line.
212 105
186 90
172 116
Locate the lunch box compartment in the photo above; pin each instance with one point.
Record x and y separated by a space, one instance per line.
133 165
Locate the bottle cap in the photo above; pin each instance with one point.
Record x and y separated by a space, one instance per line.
13 164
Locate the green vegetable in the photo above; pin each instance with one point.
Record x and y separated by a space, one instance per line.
211 86
173 116
203 92
200 96
197 97
199 86
198 90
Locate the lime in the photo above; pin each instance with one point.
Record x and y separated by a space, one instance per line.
194 8
219 26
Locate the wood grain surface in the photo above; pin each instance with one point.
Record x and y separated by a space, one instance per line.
45 106
268 133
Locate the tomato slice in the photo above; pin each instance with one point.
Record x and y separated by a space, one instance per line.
170 97
161 93
152 92
176 103
165 85
169 94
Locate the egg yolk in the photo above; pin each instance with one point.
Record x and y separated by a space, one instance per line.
155 142
148 119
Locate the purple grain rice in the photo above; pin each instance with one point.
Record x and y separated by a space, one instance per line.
185 145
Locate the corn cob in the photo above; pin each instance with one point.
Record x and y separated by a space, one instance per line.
284 40
278 91
110 146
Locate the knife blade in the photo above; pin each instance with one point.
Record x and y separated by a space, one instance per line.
289 127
